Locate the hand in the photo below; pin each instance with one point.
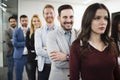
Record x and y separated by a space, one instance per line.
57 56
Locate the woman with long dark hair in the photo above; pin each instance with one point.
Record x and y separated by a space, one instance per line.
115 34
93 55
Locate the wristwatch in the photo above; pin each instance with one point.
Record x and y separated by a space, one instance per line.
67 57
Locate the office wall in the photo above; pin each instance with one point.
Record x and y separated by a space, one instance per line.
31 7
37 6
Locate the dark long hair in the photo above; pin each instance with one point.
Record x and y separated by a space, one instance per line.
86 25
114 32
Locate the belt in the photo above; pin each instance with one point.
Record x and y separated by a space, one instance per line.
32 51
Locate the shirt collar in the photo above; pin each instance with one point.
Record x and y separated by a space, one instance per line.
106 45
22 27
47 28
64 31
12 28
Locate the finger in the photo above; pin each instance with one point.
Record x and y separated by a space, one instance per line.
53 51
52 55
54 60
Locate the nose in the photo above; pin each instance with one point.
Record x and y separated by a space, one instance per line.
103 21
68 19
49 14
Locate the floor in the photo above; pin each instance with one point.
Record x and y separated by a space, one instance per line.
3 74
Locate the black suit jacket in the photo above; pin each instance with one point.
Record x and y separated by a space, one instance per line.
30 46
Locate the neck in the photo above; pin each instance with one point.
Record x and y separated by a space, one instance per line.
95 38
50 25
13 27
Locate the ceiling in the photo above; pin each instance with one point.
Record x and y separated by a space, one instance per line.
12 5
80 2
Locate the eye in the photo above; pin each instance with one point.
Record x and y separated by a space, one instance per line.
71 17
38 21
65 17
51 13
96 18
46 13
106 18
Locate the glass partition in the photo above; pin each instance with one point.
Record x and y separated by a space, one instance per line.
1 41
7 9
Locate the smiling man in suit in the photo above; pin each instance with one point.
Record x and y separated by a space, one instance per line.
8 35
58 43
20 50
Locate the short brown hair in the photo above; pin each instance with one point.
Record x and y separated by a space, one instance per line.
48 6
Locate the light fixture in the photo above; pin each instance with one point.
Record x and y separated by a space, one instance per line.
3 6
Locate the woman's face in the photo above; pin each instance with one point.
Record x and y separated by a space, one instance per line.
36 22
99 22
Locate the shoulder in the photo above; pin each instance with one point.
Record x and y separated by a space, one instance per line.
17 29
75 31
76 43
8 29
38 30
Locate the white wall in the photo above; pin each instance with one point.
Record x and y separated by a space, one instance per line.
113 5
30 7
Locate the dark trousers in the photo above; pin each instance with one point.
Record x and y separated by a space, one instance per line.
32 67
19 67
10 64
44 75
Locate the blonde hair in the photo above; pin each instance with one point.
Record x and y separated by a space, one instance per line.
32 27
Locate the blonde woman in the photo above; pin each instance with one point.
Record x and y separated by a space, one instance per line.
32 63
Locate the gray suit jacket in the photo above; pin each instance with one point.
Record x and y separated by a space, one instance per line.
8 40
56 41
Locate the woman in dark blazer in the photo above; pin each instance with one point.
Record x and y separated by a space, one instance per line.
32 62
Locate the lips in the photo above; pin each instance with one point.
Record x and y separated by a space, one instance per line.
101 28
